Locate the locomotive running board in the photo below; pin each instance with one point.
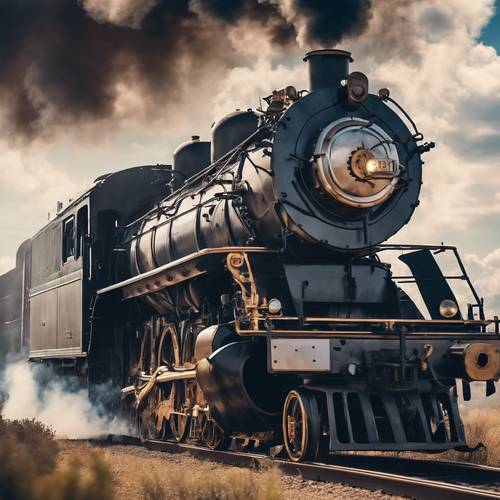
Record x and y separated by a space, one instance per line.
173 273
356 327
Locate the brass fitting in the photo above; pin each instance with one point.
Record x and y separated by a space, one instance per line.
481 361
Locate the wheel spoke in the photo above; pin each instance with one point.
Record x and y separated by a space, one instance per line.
212 433
179 420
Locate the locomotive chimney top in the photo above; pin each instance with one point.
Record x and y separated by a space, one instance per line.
327 68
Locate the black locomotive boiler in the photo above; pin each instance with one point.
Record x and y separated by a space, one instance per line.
241 297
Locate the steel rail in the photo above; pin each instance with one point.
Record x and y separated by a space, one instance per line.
461 472
426 479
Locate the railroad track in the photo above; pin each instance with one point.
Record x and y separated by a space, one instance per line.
414 478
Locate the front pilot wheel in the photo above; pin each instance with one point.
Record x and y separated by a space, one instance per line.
301 425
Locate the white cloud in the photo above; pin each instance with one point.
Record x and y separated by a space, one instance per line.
30 186
243 86
27 174
485 272
7 263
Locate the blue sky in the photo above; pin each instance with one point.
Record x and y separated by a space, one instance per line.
491 34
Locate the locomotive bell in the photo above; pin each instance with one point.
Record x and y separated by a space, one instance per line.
356 163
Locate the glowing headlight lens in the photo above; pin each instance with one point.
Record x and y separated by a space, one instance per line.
274 306
385 168
448 308
371 166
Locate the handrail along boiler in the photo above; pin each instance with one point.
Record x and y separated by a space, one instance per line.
249 303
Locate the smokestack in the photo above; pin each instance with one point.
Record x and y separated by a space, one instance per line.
327 68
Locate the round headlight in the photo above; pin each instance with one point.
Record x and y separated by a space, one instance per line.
356 163
274 306
448 308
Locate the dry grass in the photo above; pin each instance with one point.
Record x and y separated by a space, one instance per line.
31 470
206 484
28 454
71 483
483 426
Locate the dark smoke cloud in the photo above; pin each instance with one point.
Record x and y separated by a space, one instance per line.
232 11
60 63
268 14
329 22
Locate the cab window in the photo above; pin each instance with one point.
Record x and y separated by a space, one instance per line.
82 228
68 238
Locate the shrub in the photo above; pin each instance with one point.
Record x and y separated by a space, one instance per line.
28 455
36 437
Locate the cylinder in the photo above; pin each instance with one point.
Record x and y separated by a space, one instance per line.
231 131
327 68
190 158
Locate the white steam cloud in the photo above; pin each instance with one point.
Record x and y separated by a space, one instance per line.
34 392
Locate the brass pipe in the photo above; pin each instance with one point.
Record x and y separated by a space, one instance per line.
357 333
160 376
313 319
177 375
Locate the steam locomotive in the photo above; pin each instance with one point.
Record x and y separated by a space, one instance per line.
240 297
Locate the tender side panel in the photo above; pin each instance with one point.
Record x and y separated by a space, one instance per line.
10 310
56 317
43 321
69 316
13 303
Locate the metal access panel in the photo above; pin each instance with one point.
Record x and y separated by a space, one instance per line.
300 355
43 320
56 318
69 316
